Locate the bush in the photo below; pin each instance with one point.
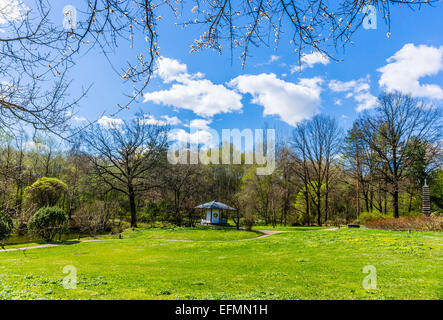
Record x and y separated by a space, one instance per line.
95 217
22 228
249 221
414 214
48 222
45 192
422 223
367 216
6 225
437 214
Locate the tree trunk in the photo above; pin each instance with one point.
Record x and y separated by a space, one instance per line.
132 207
326 202
395 202
319 206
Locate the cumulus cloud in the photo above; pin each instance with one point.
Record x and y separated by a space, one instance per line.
200 137
172 70
32 146
408 65
309 60
356 89
165 120
353 85
273 58
338 102
110 123
292 102
200 124
365 101
78 119
191 92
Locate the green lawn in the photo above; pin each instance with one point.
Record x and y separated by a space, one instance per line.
293 265
200 233
288 228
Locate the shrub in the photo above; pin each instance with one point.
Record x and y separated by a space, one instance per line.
367 216
22 228
48 222
414 214
45 192
151 212
437 214
422 223
6 225
94 217
249 221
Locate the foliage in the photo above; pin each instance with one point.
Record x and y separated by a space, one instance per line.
436 190
48 222
366 216
6 225
302 216
249 221
95 217
46 192
304 189
421 223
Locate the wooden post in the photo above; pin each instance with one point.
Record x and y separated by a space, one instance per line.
426 200
211 215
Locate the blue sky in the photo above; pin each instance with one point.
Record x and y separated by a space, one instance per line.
266 90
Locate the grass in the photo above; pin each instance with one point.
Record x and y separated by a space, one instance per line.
292 265
288 228
200 233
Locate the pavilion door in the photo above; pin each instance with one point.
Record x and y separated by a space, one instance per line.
215 216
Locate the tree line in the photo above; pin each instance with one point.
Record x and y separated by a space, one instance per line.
119 175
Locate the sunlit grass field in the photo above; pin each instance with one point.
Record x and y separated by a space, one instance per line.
310 264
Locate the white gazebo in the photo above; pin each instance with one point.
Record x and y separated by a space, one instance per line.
216 213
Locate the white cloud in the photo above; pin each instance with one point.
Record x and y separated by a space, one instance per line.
34 146
274 58
271 59
12 10
79 119
203 137
309 60
110 123
165 120
353 85
408 65
200 124
192 93
365 101
172 70
292 102
338 102
357 89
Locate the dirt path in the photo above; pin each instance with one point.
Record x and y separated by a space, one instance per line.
330 229
266 233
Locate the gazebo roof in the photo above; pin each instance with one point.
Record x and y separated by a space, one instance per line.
214 205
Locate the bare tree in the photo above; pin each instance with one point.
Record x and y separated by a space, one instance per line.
399 122
180 180
316 143
123 155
